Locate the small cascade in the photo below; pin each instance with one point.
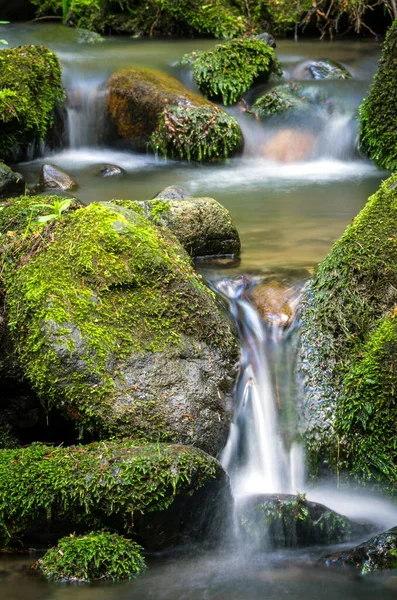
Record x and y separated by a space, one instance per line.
85 107
256 456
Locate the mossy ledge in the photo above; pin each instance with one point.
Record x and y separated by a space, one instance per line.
111 325
30 91
228 70
349 348
378 112
97 556
150 110
45 490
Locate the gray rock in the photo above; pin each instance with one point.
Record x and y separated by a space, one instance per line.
85 36
55 178
321 69
11 184
267 38
173 192
109 170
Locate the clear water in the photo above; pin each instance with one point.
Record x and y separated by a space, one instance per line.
288 216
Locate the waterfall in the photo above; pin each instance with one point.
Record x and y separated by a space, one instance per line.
256 456
85 107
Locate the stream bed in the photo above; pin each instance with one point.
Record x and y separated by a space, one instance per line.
288 216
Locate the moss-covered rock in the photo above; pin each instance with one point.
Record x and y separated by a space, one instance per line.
349 347
377 554
97 556
149 108
285 520
202 225
378 112
228 70
321 69
30 91
282 99
11 184
162 494
111 324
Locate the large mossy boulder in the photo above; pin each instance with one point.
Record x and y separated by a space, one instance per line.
148 109
202 225
111 325
377 554
97 556
161 494
228 70
378 112
349 348
30 92
288 521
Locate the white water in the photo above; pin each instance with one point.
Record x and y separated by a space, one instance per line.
255 455
85 109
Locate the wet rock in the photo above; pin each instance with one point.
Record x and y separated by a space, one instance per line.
162 494
289 146
267 38
148 109
53 177
109 170
275 301
289 521
378 113
280 100
321 69
173 192
349 349
11 184
131 341
85 36
202 225
377 554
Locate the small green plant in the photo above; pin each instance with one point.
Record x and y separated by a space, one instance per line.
4 41
99 555
58 207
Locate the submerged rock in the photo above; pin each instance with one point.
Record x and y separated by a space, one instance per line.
53 177
109 170
173 192
288 521
97 556
162 494
275 302
31 90
230 69
149 109
321 69
114 327
349 348
11 184
378 113
202 225
85 36
377 554
289 145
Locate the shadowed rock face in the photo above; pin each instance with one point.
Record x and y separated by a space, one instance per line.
120 334
53 177
11 184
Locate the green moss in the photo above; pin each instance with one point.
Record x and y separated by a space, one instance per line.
349 335
280 100
96 556
86 484
378 113
196 133
90 292
230 69
30 90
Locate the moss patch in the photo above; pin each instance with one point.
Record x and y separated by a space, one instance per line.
280 100
228 70
378 113
96 556
84 485
30 90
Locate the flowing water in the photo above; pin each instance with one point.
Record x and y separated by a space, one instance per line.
291 194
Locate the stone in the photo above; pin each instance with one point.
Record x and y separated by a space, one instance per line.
53 177
11 184
267 38
320 70
85 36
289 146
275 301
173 192
202 225
109 170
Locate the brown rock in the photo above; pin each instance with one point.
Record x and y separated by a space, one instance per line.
289 145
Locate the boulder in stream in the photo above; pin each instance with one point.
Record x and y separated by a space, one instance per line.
275 301
320 70
377 554
161 494
289 146
109 170
111 325
53 177
31 92
11 184
148 109
173 192
378 112
289 521
202 225
349 349
230 69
